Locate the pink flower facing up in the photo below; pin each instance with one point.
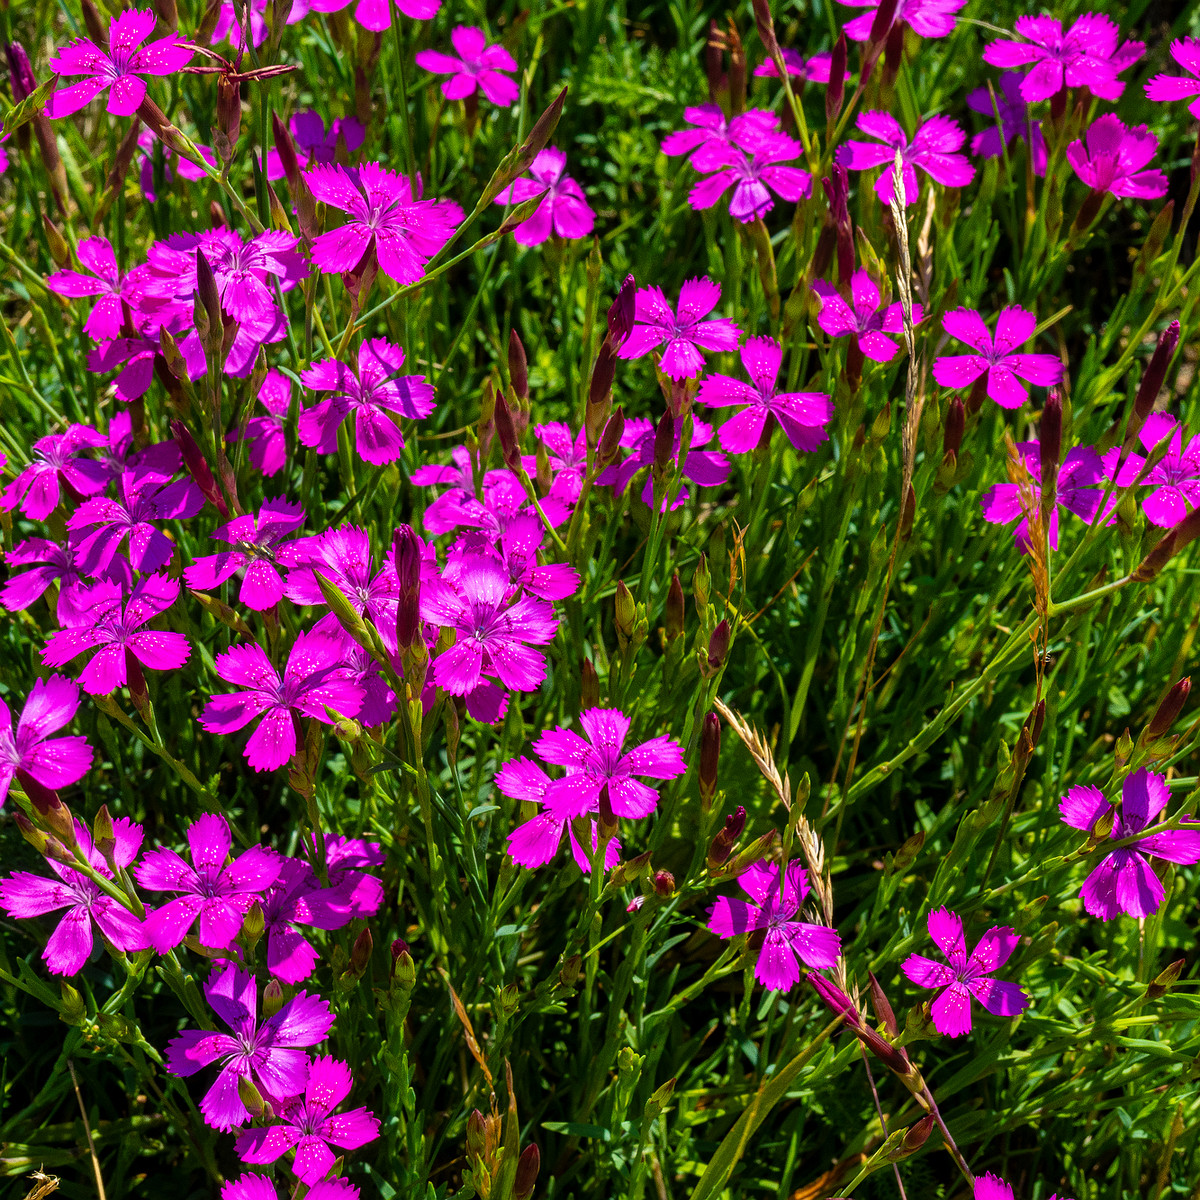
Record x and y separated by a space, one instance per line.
1125 882
966 977
54 564
267 1054
997 357
1176 477
215 893
320 146
25 895
1015 121
118 68
1086 55
714 133
601 765
376 16
404 232
40 763
1114 157
568 458
684 332
103 279
259 1187
114 629
535 842
372 393
517 553
802 415
1077 491
313 678
706 468
786 940
927 18
254 541
266 436
1165 88
869 318
753 177
934 148
816 69
56 465
477 67
564 210
310 1126
992 1187
496 629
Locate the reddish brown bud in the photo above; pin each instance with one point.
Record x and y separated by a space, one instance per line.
406 549
836 91
610 439
674 611
1156 373
882 24
229 117
96 26
206 290
1050 443
1165 979
198 468
664 884
286 149
506 431
20 71
956 424
621 312
360 953
589 686
664 443
1168 711
710 755
726 838
713 60
917 1135
883 1009
718 645
518 367
766 26
40 796
527 1172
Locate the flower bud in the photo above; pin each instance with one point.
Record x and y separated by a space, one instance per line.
527 1172
956 423
836 91
73 1009
518 367
664 884
622 311
726 838
506 431
710 754
1050 449
882 24
568 975
253 924
700 584
714 61
272 998
917 1135
1156 373
35 837
718 646
406 549
103 836
59 250
754 852
20 72
1168 711
250 1096
476 1134
206 290
1165 980
625 612
658 1101
198 468
1103 826
56 818
97 28
610 439
589 686
404 970
883 1010
673 613
664 444
229 117
360 954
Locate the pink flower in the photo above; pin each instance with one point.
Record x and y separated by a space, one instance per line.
703 467
37 760
753 179
308 132
309 1126
174 165
786 940
802 415
601 764
260 1187
1076 491
372 394
517 554
478 66
1015 121
997 357
157 462
750 131
267 436
933 148
313 678
38 488
992 1187
504 500
1175 478
867 321
405 233
114 630
1086 55
1114 158
118 68
267 1054
685 333
24 895
1164 88
59 565
104 280
215 892
818 69
927 18
496 632
376 16
568 458
564 210
966 977
230 26
1125 881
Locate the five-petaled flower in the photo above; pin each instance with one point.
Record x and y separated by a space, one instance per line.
685 332
966 976
42 764
772 912
865 317
56 462
705 468
477 67
934 148
927 18
103 279
1175 478
1112 158
818 68
753 177
564 209
1186 52
266 436
1008 106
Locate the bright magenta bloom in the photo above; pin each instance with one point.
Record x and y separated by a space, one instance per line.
753 177
868 320
32 755
376 15
1114 159
56 462
118 68
266 436
260 1187
478 67
564 209
1125 882
997 357
103 279
992 1187
685 333
966 977
1175 478
816 69
928 18
786 940
750 131
934 148
1186 52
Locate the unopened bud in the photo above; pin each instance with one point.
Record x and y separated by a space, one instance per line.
404 970
1168 711
956 423
882 24
1156 373
229 117
72 1009
625 612
198 468
57 820
917 1135
622 311
1050 446
701 581
883 1009
673 614
664 884
589 686
506 431
406 549
664 444
206 289
518 367
59 250
272 998
756 851
360 954
836 90
610 439
20 72
718 646
250 1096
710 755
253 924
97 28
1165 980
569 973
34 836
528 1166
1103 826
476 1134
659 1100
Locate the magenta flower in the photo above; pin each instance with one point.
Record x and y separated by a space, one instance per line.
992 1187
118 68
157 462
785 940
703 467
38 488
245 272
313 678
535 842
504 501
174 165
802 415
1114 158
753 179
564 210
266 436
216 893
254 541
869 318
405 233
1125 881
24 895
568 458
601 764
40 763
997 357
1086 55
478 67
927 18
101 525
1165 88
750 131
1015 121
309 134
310 1126
685 332
818 68
1077 491
933 148
267 1054
104 280
54 564
230 26
372 394
1175 478
260 1187
496 632
114 630
376 16
966 977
